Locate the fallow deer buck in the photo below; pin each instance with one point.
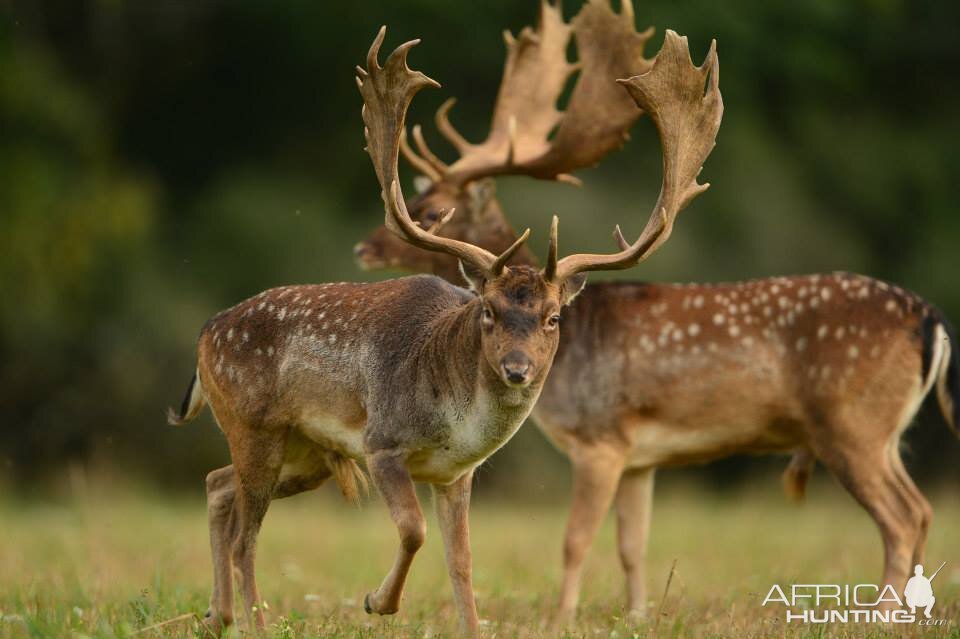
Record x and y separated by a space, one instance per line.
419 379
829 367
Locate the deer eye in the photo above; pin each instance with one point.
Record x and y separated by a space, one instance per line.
487 316
553 321
431 217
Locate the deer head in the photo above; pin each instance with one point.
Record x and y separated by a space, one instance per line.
520 304
596 121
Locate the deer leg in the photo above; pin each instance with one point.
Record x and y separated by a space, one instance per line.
222 521
595 474
920 507
452 504
866 472
634 506
257 460
392 479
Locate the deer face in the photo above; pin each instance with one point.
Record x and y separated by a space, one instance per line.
479 220
520 320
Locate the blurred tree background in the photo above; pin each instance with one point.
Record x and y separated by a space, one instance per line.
161 160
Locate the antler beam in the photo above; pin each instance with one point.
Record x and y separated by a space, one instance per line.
387 92
687 120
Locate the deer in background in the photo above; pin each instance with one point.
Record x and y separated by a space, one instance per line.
419 379
826 367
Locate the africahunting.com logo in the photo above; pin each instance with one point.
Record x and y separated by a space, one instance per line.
864 603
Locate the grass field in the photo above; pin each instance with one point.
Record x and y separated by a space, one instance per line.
114 562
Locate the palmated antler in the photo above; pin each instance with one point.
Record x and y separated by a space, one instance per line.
598 114
387 92
687 120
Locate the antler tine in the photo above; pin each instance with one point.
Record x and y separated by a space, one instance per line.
419 163
387 92
536 70
550 270
447 129
687 120
425 151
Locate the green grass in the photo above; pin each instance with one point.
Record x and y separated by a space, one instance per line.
116 561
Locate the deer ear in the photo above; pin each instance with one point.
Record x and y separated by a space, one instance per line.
480 193
572 287
473 275
422 184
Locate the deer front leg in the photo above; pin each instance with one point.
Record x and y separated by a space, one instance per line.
452 504
596 471
392 479
634 507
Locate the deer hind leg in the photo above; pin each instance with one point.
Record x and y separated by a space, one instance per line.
921 509
257 460
392 479
596 472
222 520
865 470
634 506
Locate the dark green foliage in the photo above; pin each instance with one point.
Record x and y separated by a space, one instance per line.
162 160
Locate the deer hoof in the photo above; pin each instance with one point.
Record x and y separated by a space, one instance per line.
369 607
214 624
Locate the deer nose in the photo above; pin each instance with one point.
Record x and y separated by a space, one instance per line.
516 367
359 249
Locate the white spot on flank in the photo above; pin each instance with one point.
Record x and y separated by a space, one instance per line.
677 335
259 351
718 319
814 302
891 306
853 352
246 336
822 331
825 293
801 344
261 305
230 334
333 338
732 309
282 313
774 289
698 301
747 341
693 329
734 330
269 351
839 333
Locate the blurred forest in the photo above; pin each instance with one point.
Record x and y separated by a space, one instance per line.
161 160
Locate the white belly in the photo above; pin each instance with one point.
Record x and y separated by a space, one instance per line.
332 434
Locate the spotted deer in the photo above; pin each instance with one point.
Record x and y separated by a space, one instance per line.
825 367
418 379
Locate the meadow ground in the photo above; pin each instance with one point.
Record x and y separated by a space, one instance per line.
111 562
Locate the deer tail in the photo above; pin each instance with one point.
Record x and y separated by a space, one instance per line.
193 401
947 374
